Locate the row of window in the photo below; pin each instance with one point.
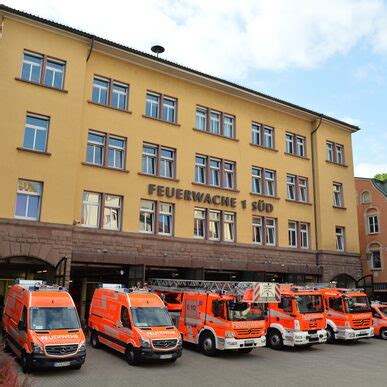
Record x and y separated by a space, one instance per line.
109 92
100 210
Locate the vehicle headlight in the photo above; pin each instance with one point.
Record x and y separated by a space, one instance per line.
36 348
145 343
296 325
347 324
229 334
180 341
82 346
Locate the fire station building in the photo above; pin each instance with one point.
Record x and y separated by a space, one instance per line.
118 166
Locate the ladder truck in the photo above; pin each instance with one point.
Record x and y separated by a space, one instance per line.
221 315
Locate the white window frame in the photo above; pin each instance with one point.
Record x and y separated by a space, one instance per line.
340 234
153 104
213 171
373 223
218 221
200 219
148 213
256 134
372 252
32 64
28 194
120 95
303 189
258 225
169 110
268 137
201 116
289 141
109 208
92 204
292 234
270 224
304 235
149 156
116 149
55 72
256 180
167 214
229 174
215 123
339 154
291 186
270 182
330 150
100 88
37 128
228 126
95 145
165 160
229 221
338 195
300 146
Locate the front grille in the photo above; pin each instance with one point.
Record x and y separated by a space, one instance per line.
164 344
61 350
248 332
364 322
313 325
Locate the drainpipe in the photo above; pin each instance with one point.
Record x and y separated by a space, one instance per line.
91 48
314 189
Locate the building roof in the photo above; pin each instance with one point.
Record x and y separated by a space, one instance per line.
379 185
177 66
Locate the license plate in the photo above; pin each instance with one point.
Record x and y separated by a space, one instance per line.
168 356
247 342
313 336
62 364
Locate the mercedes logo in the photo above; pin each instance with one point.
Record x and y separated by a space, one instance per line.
165 344
62 350
249 331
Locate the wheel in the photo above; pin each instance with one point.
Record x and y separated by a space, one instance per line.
275 339
330 335
383 333
131 357
25 363
94 340
245 350
207 344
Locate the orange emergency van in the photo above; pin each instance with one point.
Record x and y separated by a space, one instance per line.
298 320
220 315
134 322
42 326
379 314
348 314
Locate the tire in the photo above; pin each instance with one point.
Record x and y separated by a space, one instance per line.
330 335
245 350
25 363
275 340
94 340
383 333
131 357
207 344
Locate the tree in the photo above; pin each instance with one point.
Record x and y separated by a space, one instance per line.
381 176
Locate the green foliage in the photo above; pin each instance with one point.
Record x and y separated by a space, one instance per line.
381 176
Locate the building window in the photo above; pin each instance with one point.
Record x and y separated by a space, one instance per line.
32 70
295 144
215 122
338 195
257 230
214 225
147 216
264 231
217 172
262 135
302 189
256 180
110 212
298 234
335 153
165 219
365 197
96 150
200 223
270 231
340 241
263 181
158 161
376 261
161 107
35 132
110 93
228 227
292 232
304 235
291 187
373 223
297 188
28 199
269 182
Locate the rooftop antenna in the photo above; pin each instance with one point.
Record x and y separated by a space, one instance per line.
158 49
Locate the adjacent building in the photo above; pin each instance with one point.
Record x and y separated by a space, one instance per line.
372 217
117 165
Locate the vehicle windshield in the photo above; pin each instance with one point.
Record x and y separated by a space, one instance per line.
309 303
244 311
355 304
54 318
383 310
151 317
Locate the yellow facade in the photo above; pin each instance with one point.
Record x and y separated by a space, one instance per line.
71 116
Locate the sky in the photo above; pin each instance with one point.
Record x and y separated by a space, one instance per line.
326 55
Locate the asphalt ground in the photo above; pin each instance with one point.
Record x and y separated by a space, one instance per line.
362 363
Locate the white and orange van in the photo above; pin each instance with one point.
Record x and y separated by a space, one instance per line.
134 322
42 326
379 314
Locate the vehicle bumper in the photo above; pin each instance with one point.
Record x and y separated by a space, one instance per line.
231 343
150 354
352 334
43 361
300 338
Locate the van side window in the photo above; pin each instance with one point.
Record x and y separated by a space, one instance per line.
125 317
286 304
23 318
336 304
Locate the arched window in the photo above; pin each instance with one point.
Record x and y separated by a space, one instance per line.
375 256
365 197
372 221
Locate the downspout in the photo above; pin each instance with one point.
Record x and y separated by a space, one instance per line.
91 48
314 190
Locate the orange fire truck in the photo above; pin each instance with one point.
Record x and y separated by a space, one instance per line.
298 320
348 314
379 313
220 315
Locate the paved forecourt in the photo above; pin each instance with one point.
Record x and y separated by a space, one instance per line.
345 364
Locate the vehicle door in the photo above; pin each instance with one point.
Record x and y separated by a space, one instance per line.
124 326
284 313
336 311
192 321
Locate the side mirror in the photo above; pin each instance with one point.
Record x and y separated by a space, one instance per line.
377 315
21 326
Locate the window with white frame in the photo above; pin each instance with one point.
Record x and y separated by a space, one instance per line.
201 118
147 216
365 197
304 235
257 230
263 181
228 126
167 162
165 219
291 186
256 137
101 88
262 135
54 74
229 174
268 137
161 107
36 132
32 67
149 159
152 105
335 153
270 231
95 148
373 223
339 154
28 199
269 182
338 195
215 122
289 140
158 161
256 180
119 96
375 256
91 209
214 225
112 212
228 227
302 189
215 172
169 109
340 238
200 169
116 152
295 144
330 156
200 223
300 146
292 233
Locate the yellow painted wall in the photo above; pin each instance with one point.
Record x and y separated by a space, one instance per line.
65 178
